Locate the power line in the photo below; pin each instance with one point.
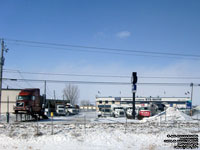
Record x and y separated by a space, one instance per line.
104 83
23 78
103 48
95 75
107 52
65 74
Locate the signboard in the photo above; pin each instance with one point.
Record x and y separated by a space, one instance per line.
134 88
51 114
189 104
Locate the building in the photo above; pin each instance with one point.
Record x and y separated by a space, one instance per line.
88 108
106 102
8 99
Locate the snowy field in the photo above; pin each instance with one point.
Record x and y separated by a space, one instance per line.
86 131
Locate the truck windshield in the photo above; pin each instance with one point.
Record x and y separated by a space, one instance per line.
144 108
24 98
60 106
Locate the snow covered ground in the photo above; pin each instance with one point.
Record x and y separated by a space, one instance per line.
85 131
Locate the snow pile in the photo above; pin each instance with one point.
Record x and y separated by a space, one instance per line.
95 137
171 114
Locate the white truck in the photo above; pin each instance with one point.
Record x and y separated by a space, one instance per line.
72 110
60 110
129 110
117 111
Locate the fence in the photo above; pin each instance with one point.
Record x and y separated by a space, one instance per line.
88 122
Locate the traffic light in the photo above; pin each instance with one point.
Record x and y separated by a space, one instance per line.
134 77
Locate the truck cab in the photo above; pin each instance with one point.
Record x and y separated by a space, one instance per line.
29 101
117 111
129 111
72 110
60 109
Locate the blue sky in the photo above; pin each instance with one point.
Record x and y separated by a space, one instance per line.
170 26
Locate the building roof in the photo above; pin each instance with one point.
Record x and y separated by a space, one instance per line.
6 89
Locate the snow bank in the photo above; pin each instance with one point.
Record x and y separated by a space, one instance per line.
72 137
171 114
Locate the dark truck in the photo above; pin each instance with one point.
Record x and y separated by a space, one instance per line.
31 103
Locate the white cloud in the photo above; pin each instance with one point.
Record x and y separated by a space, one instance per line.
123 34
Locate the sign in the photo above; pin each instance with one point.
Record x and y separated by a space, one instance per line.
189 104
134 88
51 114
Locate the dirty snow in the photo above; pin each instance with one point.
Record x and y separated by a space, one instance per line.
90 136
85 131
171 114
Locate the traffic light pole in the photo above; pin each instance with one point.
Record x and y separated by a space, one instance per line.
134 87
133 112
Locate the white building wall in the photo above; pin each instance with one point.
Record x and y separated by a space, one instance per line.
112 101
10 94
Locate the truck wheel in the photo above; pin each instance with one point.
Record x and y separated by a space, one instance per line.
140 117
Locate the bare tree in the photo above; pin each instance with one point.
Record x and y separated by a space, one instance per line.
71 93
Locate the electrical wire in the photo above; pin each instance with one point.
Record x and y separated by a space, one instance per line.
104 83
103 48
95 75
107 52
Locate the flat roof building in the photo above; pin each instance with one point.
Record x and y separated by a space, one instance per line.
8 99
107 102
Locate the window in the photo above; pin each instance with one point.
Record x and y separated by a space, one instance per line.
106 102
23 98
100 102
113 102
33 98
105 110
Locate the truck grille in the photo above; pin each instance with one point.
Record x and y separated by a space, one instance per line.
20 104
60 111
121 113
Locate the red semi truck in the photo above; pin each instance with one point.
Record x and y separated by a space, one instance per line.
30 102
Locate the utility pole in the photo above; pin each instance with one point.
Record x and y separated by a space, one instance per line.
45 93
2 59
54 93
191 97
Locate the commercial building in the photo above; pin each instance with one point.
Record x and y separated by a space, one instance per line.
8 99
88 108
106 102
